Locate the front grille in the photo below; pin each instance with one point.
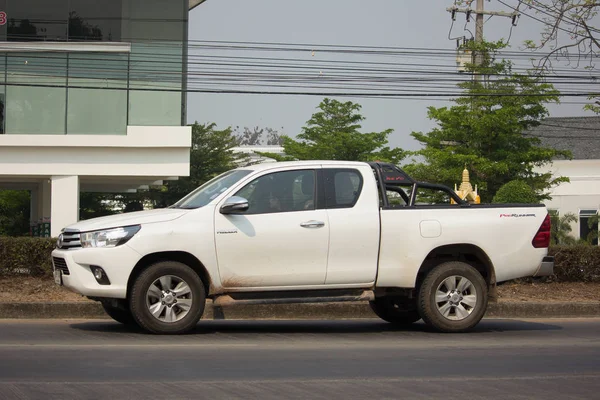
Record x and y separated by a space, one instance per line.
61 264
70 240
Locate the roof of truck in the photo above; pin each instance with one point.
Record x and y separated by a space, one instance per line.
260 167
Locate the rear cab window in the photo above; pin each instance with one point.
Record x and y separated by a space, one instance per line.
343 187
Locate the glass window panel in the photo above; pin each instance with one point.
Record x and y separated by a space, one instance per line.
159 67
3 20
106 70
156 61
37 20
156 9
36 94
93 20
280 192
97 112
97 94
342 187
154 108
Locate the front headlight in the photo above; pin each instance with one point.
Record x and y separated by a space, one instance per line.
109 237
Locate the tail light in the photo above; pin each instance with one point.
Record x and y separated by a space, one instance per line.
542 237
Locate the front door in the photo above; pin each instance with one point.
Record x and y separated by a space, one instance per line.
281 240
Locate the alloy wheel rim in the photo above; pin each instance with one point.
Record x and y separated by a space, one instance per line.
456 298
169 298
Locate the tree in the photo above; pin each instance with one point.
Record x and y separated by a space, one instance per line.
569 34
486 130
333 134
92 205
258 137
14 212
561 228
516 192
211 154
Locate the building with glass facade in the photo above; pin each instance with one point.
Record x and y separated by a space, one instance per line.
92 98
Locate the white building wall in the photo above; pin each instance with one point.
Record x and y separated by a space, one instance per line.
53 167
581 193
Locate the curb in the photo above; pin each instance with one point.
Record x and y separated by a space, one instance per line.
319 311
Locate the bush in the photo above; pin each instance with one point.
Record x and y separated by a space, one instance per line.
579 263
26 256
516 192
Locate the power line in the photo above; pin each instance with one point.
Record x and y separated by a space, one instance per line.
578 128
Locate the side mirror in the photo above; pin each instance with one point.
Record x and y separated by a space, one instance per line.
234 205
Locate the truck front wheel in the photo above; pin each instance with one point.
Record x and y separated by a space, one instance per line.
396 310
453 297
167 298
119 314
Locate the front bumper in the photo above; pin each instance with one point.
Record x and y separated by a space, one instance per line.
546 267
75 265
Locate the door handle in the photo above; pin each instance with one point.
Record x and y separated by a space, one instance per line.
312 224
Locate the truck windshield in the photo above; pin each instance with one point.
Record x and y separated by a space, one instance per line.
211 189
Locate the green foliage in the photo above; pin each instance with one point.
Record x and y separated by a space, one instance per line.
333 134
258 136
26 255
516 192
93 205
486 130
14 212
593 225
561 228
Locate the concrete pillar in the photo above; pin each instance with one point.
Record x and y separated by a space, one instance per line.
34 205
45 199
65 203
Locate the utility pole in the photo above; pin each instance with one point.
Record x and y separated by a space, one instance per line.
478 34
479 14
479 22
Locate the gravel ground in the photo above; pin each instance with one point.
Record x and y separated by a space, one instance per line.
26 289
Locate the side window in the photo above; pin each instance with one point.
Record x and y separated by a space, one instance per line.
342 187
280 192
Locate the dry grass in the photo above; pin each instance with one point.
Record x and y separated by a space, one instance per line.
26 289
552 292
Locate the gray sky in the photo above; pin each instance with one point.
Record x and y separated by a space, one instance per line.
397 23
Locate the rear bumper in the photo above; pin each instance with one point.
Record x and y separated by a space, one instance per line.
546 268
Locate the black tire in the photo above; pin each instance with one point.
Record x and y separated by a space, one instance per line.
122 315
462 315
396 310
140 307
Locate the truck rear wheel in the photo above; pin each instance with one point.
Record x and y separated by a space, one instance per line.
396 310
167 298
453 297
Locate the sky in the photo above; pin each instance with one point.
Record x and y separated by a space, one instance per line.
394 23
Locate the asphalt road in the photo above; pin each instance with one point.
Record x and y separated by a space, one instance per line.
504 359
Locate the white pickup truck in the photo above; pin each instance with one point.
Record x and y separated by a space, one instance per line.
319 231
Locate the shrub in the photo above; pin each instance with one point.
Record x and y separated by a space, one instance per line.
516 192
578 263
26 255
